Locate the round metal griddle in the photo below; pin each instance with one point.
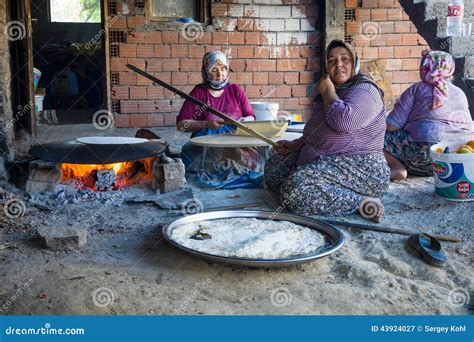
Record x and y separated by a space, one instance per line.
97 150
334 235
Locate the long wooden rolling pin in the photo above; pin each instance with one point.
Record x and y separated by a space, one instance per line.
204 105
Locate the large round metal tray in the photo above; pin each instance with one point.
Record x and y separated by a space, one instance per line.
334 235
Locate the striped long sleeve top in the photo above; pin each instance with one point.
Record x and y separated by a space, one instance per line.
353 124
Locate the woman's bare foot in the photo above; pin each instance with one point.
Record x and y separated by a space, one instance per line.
372 209
397 170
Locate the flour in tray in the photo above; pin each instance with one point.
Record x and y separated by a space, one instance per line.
249 238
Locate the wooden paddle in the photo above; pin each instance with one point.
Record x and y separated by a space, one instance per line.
203 105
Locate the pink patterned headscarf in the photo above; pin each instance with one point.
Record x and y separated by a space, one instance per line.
436 68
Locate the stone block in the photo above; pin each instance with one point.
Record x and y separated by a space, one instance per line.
42 164
62 238
170 171
34 186
45 175
172 185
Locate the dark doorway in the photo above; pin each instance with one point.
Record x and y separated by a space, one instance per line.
68 51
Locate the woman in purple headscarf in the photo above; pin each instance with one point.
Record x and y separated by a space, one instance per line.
420 116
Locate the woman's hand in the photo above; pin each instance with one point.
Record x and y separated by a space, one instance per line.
247 118
285 146
215 124
326 86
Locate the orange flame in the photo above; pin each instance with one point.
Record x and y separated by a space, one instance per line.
126 170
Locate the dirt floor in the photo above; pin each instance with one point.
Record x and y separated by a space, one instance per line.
127 267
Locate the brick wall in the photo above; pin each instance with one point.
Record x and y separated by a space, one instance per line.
274 49
382 30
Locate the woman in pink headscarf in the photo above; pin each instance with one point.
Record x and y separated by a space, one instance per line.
422 113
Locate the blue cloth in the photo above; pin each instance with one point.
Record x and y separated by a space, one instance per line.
218 174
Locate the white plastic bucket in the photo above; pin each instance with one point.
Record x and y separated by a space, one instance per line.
453 173
39 103
265 111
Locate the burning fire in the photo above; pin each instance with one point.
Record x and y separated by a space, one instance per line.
102 177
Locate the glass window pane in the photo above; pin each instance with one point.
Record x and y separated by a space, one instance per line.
173 8
75 11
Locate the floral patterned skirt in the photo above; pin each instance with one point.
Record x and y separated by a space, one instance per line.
415 156
331 185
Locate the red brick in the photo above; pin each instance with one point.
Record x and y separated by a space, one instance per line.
393 64
237 38
370 3
196 51
179 78
401 52
410 64
171 64
119 93
261 52
118 22
385 52
245 51
238 65
386 27
386 3
379 40
154 120
299 90
169 119
245 24
252 38
154 93
139 63
143 81
260 78
353 27
154 65
402 26
130 106
302 64
128 50
307 51
268 65
128 78
153 37
306 77
190 64
138 93
194 77
204 38
121 121
169 37
179 51
415 51
137 120
395 14
306 101
291 78
352 3
162 51
218 10
393 39
135 20
220 38
283 91
378 14
242 77
145 50
362 14
284 65
275 78
118 64
369 52
409 39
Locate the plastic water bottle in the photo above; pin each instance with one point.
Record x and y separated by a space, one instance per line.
455 18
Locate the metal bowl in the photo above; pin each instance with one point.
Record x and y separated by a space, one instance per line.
334 235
